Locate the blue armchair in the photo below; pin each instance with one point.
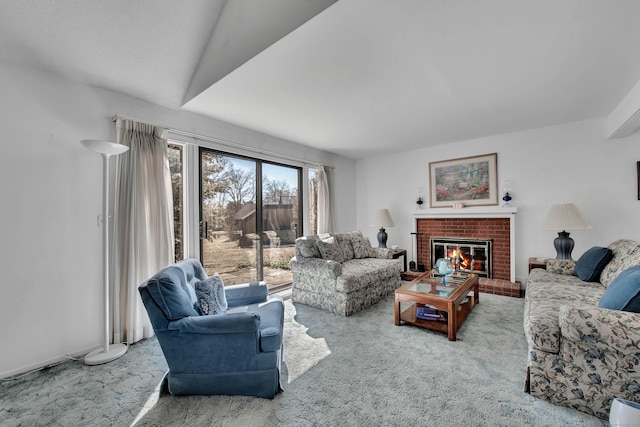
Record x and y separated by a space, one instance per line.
239 352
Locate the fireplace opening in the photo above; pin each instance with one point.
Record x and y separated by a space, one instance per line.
466 255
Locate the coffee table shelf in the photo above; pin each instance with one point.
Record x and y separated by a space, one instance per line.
456 300
409 316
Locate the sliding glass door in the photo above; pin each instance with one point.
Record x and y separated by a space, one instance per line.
280 221
249 218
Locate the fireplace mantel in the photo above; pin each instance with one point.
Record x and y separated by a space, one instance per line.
476 212
468 212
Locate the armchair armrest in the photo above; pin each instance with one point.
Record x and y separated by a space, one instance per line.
561 266
218 324
601 329
246 293
313 265
385 253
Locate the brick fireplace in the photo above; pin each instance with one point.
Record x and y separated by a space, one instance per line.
483 222
496 229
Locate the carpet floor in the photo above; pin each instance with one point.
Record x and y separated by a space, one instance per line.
354 371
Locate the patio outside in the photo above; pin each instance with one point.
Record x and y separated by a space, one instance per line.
236 264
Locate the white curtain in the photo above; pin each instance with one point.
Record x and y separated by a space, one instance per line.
143 225
325 202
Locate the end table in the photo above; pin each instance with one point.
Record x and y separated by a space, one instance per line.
397 253
535 262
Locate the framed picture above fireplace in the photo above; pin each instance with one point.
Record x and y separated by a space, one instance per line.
468 181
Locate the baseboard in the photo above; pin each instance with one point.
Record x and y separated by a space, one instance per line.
46 363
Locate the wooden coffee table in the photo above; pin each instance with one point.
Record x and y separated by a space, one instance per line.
455 299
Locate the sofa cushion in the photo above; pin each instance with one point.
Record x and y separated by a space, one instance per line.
590 264
544 285
363 273
211 296
624 292
336 248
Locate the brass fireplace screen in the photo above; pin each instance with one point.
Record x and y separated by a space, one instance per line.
466 255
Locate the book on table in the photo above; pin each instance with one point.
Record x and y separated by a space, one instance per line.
430 313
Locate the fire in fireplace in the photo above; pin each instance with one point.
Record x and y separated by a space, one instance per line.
466 255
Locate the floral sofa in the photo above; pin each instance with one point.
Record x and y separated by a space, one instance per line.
342 273
582 355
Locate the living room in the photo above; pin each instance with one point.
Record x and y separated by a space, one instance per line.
51 298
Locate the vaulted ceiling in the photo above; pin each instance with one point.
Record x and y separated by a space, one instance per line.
354 77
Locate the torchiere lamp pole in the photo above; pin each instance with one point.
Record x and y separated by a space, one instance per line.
106 353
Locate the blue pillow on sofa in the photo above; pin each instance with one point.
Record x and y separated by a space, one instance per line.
624 292
591 263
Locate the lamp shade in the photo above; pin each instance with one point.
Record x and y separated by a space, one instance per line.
381 218
565 216
104 147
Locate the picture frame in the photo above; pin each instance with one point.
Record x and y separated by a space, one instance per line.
467 181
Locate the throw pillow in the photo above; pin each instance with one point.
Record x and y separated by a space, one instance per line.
329 249
211 296
361 247
590 264
344 243
307 247
333 250
624 292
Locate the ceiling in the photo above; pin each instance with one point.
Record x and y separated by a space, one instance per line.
358 78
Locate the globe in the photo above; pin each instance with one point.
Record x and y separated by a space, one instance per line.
444 268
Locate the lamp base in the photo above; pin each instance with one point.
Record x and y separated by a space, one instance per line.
564 245
99 356
624 413
382 238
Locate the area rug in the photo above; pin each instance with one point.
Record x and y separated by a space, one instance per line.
360 370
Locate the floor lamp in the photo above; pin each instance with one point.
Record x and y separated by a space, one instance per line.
106 353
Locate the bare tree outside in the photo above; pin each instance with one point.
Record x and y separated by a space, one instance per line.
213 191
241 186
275 191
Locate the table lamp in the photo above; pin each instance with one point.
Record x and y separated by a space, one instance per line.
382 219
564 217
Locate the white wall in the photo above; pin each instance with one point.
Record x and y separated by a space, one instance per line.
573 162
50 294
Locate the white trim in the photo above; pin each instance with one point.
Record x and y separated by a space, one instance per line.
47 363
468 212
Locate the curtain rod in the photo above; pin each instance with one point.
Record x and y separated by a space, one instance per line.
221 141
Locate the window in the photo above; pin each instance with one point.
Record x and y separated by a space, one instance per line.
249 216
176 169
245 212
313 201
